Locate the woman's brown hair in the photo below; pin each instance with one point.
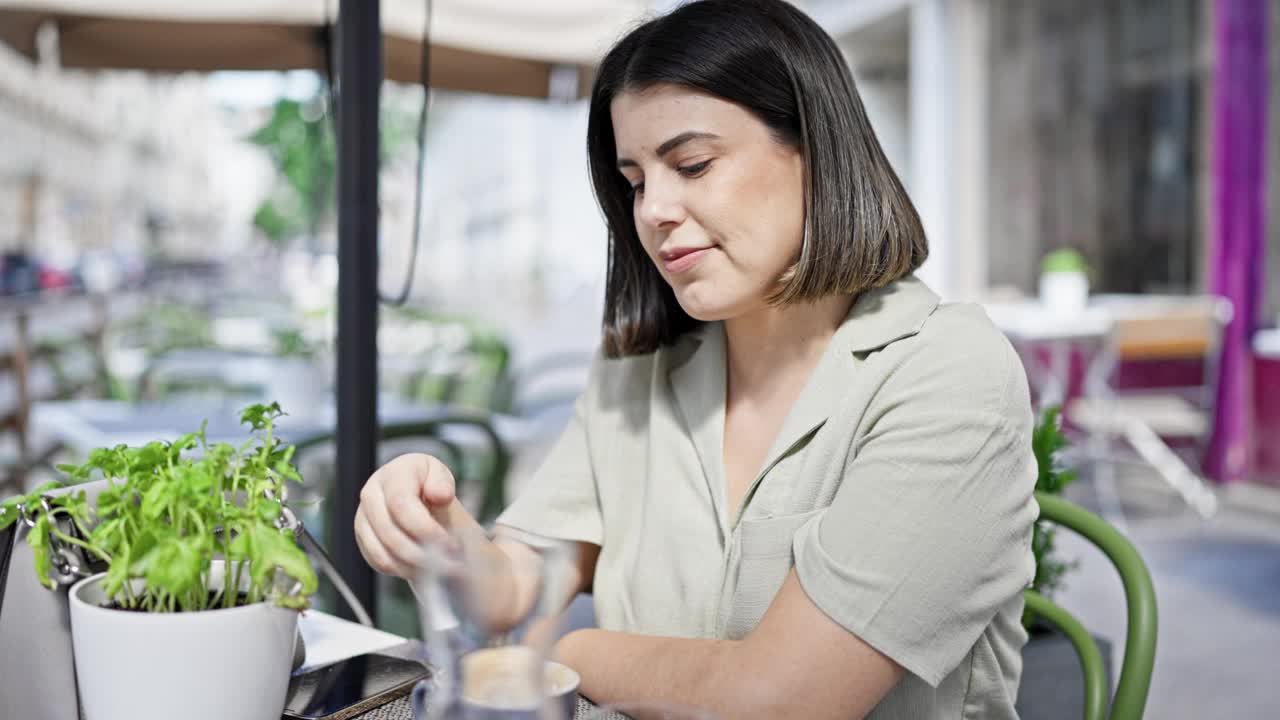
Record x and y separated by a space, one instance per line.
860 230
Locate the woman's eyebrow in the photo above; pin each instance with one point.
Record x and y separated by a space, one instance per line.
672 144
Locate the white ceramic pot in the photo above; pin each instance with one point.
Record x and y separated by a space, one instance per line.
1064 292
211 665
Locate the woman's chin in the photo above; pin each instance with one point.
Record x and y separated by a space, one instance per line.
704 316
705 309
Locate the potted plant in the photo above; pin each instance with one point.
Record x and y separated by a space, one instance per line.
195 615
1047 442
1051 675
1064 281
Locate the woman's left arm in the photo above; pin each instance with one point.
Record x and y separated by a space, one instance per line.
797 662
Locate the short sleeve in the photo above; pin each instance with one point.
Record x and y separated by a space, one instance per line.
560 501
929 533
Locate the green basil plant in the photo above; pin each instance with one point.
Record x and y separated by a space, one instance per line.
170 509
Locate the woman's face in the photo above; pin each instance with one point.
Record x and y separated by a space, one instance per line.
718 202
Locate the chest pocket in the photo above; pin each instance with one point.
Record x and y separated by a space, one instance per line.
764 559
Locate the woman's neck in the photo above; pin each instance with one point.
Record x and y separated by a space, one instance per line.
777 345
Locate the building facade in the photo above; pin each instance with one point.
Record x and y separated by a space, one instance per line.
1023 126
109 160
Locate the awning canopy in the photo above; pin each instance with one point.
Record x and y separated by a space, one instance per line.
505 47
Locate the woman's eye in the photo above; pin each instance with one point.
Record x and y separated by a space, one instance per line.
637 189
694 170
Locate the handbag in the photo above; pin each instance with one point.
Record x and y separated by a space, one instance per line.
37 671
37 675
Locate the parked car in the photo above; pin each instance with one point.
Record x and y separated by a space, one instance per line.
19 274
24 274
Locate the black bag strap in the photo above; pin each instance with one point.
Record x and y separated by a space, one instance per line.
8 537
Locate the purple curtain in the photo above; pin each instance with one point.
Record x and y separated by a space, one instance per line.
1239 219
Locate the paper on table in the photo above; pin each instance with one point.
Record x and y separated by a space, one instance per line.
329 639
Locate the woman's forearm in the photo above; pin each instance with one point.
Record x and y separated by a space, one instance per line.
618 667
797 662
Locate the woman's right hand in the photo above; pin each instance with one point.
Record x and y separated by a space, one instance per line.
411 501
406 503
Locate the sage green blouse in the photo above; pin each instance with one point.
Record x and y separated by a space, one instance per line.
899 488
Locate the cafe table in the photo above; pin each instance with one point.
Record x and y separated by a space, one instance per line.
329 639
402 709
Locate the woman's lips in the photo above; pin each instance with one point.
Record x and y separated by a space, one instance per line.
677 261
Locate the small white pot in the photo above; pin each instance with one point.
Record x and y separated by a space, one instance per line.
1064 292
211 665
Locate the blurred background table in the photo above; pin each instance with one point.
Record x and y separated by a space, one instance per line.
1029 324
87 424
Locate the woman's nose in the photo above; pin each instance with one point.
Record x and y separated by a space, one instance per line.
659 207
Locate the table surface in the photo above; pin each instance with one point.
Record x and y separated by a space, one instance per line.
402 709
1266 343
1028 320
329 639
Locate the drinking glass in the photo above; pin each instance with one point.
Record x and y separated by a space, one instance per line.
483 671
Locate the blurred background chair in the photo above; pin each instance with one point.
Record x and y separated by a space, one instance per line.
549 382
465 440
297 383
1155 386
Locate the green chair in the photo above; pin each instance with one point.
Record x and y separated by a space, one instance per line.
1140 638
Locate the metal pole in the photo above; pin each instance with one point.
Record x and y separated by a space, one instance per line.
359 84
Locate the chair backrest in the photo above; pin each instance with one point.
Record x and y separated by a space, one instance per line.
1176 333
1130 697
1173 329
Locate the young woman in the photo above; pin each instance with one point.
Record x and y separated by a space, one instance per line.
798 484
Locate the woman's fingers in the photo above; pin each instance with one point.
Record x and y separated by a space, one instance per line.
398 512
403 549
400 484
438 487
374 552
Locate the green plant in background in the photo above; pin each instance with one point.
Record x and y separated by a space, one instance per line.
171 326
162 327
1047 441
303 152
1064 260
166 516
482 377
484 386
300 143
292 342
